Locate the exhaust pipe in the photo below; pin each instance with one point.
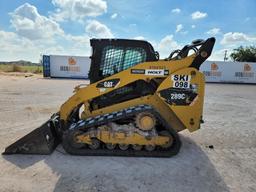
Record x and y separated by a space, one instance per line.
42 140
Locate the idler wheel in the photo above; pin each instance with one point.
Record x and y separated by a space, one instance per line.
74 140
170 142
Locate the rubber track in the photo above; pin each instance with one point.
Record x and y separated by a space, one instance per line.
106 118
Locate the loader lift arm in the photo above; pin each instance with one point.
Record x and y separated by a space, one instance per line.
84 94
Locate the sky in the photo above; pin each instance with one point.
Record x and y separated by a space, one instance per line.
30 28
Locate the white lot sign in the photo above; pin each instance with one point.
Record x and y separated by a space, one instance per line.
232 72
69 66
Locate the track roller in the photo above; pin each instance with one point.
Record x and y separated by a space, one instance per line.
123 146
110 146
137 147
150 147
95 144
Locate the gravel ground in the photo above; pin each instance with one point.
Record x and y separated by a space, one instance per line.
229 113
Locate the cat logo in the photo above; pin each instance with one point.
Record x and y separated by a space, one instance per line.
214 67
71 61
247 68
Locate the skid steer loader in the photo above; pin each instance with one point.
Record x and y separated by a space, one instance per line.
135 104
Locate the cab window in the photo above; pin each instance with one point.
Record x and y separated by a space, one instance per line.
116 59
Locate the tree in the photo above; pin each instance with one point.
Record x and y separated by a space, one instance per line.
244 54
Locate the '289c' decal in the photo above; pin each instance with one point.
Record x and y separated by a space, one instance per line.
181 81
175 96
178 96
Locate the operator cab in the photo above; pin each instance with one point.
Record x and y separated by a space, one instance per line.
110 56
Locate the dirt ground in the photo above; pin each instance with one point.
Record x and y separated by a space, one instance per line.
229 114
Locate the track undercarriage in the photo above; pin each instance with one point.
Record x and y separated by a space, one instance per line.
135 131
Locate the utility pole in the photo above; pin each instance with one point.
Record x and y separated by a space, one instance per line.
225 56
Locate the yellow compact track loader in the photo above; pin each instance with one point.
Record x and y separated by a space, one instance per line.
134 106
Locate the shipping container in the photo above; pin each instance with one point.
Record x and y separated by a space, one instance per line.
66 66
229 72
214 71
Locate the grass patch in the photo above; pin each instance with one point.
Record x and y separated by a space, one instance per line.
16 68
21 68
